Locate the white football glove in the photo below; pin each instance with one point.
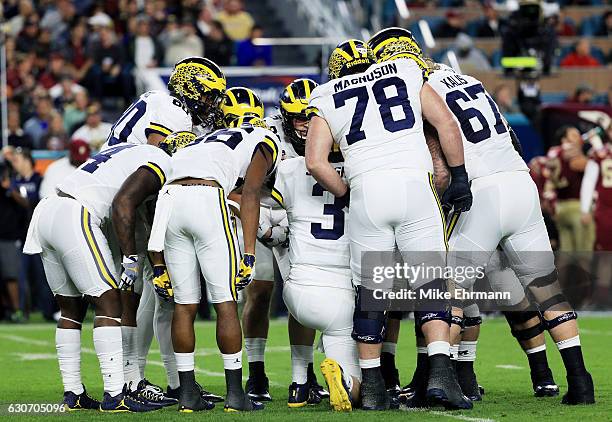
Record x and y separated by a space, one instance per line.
130 268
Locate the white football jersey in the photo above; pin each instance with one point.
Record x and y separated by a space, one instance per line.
276 125
223 156
153 112
96 182
486 139
318 227
375 117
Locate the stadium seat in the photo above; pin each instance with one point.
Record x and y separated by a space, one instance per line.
590 24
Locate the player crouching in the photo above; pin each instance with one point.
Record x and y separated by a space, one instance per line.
318 292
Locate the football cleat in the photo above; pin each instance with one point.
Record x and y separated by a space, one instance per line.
152 393
191 400
373 393
444 390
83 401
580 390
240 402
339 392
206 395
299 395
317 392
125 402
545 389
467 382
258 388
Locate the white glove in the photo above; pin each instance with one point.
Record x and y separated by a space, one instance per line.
278 236
130 268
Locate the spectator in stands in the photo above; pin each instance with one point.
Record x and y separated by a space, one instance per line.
56 137
36 126
94 131
489 25
27 39
470 58
145 52
24 189
205 21
583 95
57 171
16 135
182 41
566 163
605 29
75 112
64 91
58 20
11 216
581 56
505 99
17 22
75 51
453 26
236 22
110 72
217 45
249 54
563 27
54 72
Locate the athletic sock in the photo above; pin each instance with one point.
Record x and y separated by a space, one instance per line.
255 348
571 353
467 351
68 345
162 326
144 326
185 362
438 353
107 342
131 370
538 363
389 347
232 364
300 359
369 363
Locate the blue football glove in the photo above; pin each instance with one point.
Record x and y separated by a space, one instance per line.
161 283
130 269
458 196
245 273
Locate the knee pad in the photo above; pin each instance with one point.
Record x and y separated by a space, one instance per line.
471 321
514 318
568 316
550 302
546 280
457 320
368 326
424 317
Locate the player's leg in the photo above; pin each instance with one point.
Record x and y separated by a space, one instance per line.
184 271
466 353
301 339
531 257
413 394
129 340
256 321
421 239
144 324
387 356
218 255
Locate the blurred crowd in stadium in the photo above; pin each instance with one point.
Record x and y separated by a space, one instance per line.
72 66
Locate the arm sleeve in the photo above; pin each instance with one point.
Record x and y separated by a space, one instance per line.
271 144
589 182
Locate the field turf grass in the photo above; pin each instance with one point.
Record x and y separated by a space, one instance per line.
29 374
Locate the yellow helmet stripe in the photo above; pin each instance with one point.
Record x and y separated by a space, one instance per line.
231 97
382 44
290 92
251 98
306 88
344 54
353 48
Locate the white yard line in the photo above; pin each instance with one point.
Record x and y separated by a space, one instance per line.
25 340
461 417
509 367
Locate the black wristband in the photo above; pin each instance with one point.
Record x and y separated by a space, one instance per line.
458 172
344 199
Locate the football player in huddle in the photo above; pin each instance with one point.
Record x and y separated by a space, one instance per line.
500 182
375 113
195 89
290 126
66 229
203 175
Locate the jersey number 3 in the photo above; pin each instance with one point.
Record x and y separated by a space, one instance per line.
385 104
336 211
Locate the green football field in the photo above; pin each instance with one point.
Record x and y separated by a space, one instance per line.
29 374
